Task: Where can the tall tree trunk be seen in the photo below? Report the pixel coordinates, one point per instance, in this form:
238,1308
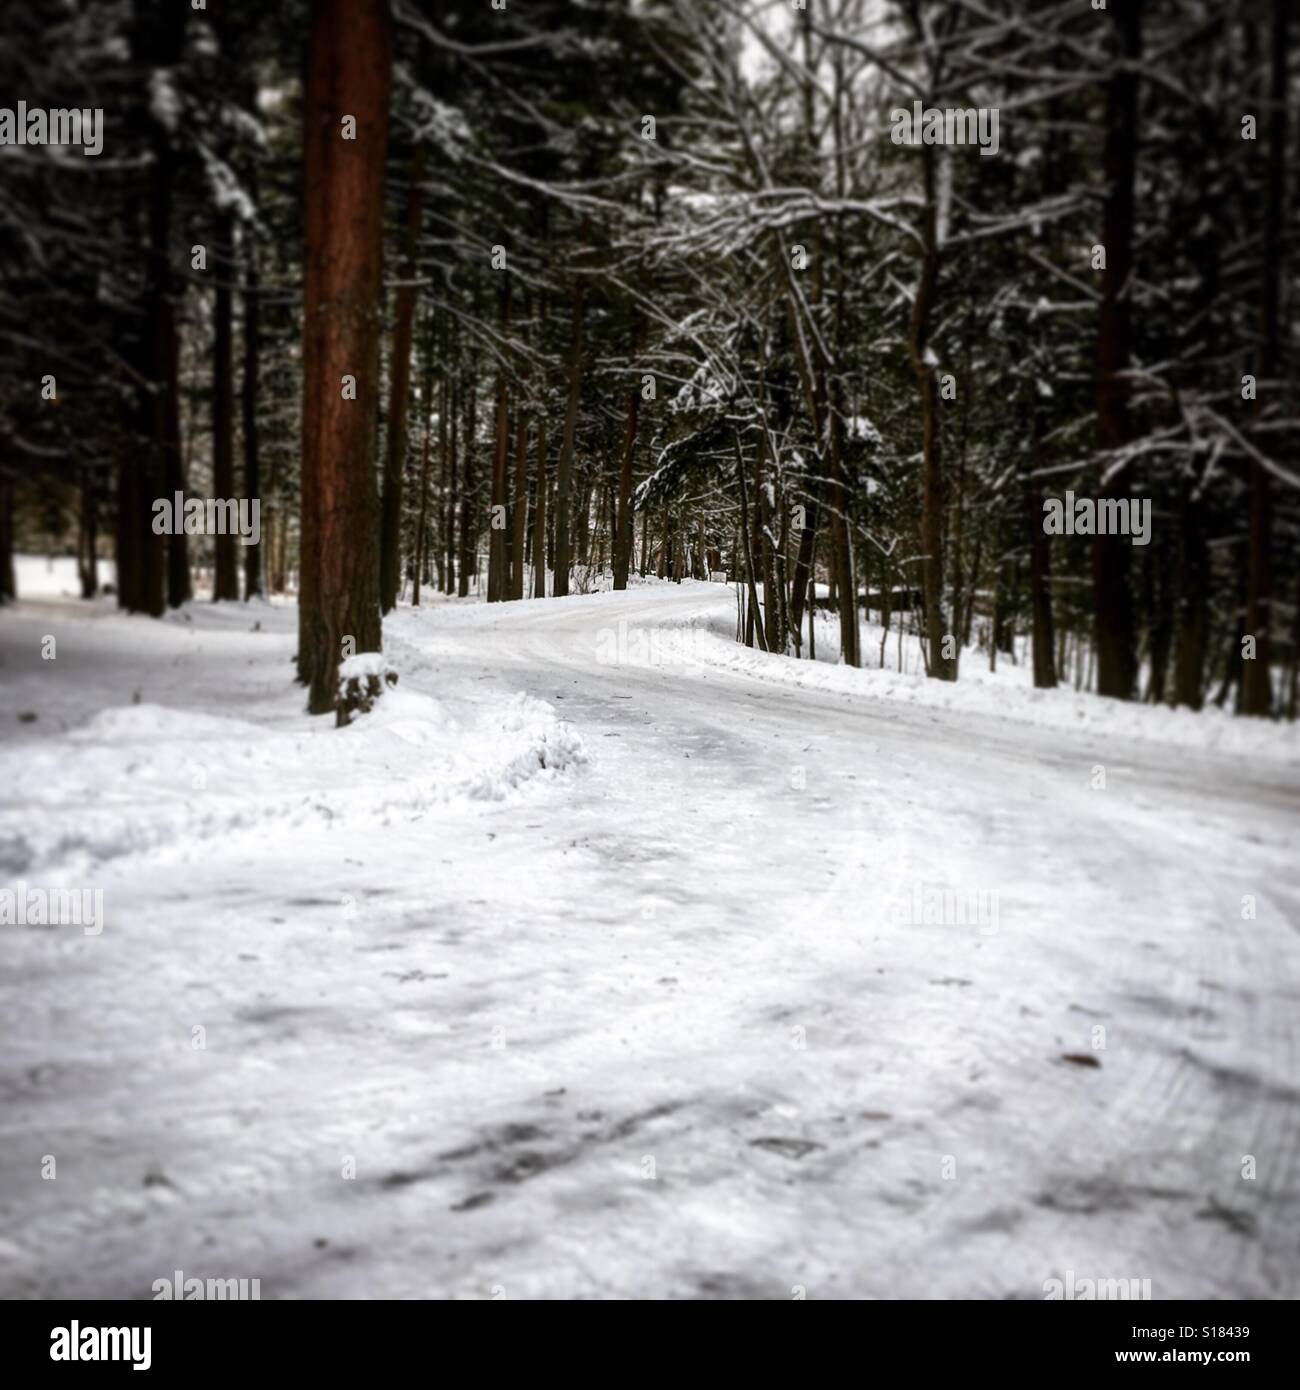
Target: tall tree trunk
939,666
500,482
1293,699
450,475
399,391
886,602
519,517
832,392
420,538
772,596
623,525
754,621
282,570
225,573
803,578
88,539
252,465
841,538
128,554
1159,603
179,587
959,622
1236,628
604,505
147,473
8,584
564,473
783,592
468,550
349,73
812,608
972,591
539,512
519,511
1256,676
1191,640
582,521
1040,563
804,583
1114,638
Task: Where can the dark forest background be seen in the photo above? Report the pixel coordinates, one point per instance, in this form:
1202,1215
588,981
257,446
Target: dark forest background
650,287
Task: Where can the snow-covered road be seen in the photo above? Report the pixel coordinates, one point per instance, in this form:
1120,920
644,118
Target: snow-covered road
709,983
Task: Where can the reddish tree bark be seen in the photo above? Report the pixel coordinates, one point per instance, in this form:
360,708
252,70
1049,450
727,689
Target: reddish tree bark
349,74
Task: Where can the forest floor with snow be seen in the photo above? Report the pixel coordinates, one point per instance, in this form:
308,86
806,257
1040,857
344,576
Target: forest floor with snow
608,958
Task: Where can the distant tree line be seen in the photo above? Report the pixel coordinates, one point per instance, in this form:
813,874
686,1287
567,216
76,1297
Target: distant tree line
496,301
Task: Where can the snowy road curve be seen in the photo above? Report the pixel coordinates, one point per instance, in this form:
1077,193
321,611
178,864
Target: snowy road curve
669,1018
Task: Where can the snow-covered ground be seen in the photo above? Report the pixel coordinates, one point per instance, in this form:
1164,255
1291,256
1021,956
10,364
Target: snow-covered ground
607,958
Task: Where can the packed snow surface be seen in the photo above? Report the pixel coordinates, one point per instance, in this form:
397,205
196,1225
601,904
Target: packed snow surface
606,958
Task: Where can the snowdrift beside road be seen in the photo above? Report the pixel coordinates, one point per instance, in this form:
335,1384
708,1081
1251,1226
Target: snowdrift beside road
144,777
1006,694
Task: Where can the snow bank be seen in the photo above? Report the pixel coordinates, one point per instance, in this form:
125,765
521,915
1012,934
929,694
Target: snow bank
1006,694
151,778
1210,729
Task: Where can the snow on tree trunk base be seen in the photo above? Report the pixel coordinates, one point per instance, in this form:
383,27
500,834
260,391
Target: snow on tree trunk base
362,679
